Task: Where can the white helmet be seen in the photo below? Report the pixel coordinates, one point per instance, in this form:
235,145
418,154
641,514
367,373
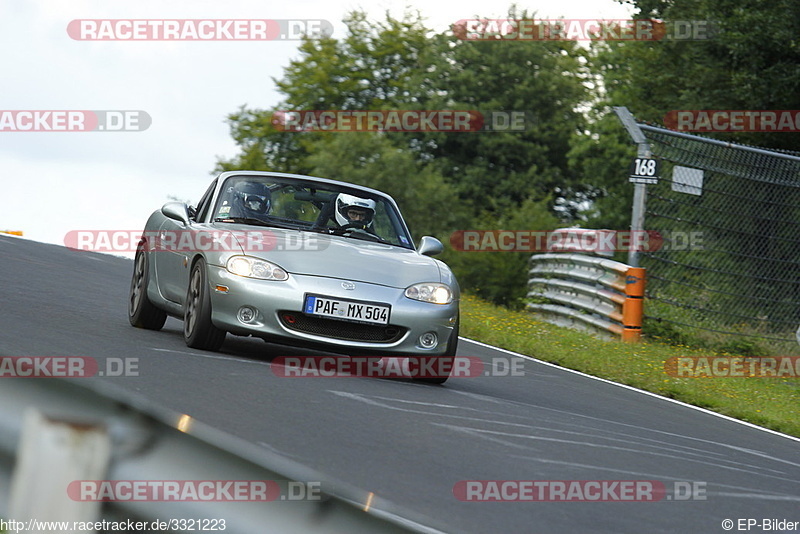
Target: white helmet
349,207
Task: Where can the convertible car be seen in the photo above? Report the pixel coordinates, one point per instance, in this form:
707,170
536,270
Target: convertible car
296,260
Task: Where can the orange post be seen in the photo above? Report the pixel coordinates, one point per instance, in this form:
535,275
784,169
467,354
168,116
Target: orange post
633,307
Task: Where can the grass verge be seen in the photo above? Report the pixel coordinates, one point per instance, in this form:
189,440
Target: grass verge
769,402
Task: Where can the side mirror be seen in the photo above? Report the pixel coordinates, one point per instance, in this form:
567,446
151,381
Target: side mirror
430,246
177,211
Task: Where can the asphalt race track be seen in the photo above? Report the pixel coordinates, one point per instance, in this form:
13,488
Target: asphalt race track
411,443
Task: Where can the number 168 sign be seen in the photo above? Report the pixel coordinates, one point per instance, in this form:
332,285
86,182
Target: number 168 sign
645,171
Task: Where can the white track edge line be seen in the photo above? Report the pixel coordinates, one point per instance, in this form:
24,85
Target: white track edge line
631,388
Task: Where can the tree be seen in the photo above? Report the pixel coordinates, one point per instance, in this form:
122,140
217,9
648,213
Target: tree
443,181
371,68
429,205
499,170
500,276
749,62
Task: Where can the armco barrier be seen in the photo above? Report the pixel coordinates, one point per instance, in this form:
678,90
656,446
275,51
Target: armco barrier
586,292
54,430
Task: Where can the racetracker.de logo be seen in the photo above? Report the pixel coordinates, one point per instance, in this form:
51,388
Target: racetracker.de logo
174,490
191,241
582,30
393,367
66,367
577,491
733,367
718,120
60,120
604,242
198,29
401,121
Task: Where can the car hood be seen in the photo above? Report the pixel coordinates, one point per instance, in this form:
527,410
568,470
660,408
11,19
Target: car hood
314,254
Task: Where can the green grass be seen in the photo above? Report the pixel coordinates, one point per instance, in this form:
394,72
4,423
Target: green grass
769,402
752,339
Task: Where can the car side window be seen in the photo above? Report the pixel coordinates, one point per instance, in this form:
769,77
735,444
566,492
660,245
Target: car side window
205,203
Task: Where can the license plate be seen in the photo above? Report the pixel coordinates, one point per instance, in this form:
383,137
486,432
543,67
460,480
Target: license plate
350,310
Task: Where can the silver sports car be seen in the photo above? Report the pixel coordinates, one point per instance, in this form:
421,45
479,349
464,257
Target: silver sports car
296,260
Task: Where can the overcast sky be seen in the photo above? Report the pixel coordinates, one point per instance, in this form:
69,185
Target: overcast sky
56,182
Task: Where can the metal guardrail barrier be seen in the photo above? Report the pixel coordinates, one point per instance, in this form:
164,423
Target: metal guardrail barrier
55,431
586,292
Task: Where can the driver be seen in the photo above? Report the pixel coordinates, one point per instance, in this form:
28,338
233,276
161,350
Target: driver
251,199
354,212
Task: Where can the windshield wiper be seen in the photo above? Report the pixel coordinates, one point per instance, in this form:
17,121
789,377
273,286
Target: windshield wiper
254,221
245,220
356,233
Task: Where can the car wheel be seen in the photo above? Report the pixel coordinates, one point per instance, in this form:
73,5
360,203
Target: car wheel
198,331
443,363
141,312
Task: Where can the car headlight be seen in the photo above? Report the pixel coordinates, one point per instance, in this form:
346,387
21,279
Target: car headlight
430,292
255,268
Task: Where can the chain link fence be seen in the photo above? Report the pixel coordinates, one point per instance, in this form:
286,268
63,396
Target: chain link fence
727,269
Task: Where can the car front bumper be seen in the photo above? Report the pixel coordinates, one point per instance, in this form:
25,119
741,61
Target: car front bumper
275,301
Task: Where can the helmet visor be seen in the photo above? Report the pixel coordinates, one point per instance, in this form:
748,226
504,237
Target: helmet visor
257,203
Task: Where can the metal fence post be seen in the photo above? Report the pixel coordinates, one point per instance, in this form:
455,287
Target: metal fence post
724,218
640,190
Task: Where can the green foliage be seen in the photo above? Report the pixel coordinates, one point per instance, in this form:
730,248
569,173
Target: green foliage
501,277
371,68
500,170
745,347
599,159
683,326
749,62
665,331
429,205
570,165
442,181
262,147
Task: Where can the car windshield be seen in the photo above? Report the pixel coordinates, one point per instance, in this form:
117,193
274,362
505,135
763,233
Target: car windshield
310,206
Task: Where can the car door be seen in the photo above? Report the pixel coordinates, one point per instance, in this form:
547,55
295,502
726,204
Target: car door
170,259
177,246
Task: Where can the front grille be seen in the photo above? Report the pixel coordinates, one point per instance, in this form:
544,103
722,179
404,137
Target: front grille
337,329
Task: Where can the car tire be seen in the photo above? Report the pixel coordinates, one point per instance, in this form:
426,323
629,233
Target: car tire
141,312
445,361
198,330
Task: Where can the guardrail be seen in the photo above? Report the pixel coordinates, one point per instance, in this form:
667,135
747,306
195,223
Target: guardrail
54,431
586,292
